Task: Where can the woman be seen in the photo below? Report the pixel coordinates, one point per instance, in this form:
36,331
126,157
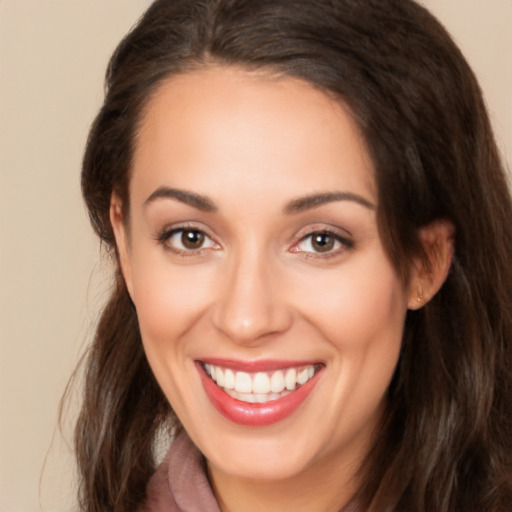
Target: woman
312,235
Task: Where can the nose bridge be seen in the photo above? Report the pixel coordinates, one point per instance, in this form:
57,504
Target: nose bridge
250,305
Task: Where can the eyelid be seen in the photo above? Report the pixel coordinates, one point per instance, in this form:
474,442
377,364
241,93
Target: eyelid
343,237
163,236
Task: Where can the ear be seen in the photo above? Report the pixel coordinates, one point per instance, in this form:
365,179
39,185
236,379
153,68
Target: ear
430,272
119,227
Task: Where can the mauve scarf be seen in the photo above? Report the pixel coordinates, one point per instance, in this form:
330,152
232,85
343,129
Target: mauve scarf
180,483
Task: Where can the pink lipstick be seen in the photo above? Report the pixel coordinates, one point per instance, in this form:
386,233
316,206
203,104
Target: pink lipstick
257,393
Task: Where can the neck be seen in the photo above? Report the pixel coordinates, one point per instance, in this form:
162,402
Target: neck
328,487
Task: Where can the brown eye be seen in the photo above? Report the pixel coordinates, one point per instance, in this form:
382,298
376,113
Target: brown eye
186,241
192,239
322,242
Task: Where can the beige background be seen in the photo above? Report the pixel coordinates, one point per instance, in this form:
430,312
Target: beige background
52,56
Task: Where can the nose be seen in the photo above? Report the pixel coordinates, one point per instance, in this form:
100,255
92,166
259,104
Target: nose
251,306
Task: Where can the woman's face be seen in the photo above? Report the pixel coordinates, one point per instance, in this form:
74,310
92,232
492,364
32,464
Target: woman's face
252,253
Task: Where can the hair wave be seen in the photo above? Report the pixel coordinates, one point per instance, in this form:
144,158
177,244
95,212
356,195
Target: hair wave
446,441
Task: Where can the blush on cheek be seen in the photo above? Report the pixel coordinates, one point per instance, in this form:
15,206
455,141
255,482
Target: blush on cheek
166,308
364,325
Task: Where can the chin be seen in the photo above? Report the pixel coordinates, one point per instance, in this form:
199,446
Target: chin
250,466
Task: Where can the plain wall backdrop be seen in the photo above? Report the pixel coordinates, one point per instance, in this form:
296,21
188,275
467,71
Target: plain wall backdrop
53,54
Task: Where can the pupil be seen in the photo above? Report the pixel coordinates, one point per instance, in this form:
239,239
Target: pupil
323,242
192,239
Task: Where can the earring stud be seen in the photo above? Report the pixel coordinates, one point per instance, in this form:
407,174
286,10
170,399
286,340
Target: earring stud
420,299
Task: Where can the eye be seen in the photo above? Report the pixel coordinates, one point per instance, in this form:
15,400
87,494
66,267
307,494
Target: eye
187,240
322,242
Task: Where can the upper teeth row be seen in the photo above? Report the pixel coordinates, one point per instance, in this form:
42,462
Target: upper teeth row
261,382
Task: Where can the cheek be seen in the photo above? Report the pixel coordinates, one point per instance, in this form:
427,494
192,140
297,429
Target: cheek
168,300
361,317
360,306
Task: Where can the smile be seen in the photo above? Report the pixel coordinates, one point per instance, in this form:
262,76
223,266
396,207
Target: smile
260,387
259,394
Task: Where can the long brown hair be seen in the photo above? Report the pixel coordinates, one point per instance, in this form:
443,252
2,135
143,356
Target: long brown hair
446,441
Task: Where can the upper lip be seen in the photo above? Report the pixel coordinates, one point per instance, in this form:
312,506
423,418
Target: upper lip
263,365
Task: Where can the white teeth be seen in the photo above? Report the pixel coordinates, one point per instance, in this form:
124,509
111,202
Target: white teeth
261,386
261,383
258,398
243,382
247,397
229,379
302,376
277,382
219,376
291,378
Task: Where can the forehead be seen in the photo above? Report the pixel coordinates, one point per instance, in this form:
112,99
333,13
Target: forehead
208,127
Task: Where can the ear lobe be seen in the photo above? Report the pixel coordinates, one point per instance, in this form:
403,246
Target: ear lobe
122,240
430,272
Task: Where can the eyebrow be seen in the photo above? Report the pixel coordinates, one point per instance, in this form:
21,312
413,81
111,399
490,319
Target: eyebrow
192,199
295,206
315,200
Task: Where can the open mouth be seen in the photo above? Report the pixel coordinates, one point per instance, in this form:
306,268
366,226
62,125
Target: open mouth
259,394
260,387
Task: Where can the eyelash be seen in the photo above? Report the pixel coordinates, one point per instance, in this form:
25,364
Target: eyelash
343,242
165,239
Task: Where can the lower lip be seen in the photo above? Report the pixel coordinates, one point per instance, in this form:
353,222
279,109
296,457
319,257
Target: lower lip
259,414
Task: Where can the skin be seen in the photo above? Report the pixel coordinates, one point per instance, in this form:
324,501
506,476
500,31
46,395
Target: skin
258,288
